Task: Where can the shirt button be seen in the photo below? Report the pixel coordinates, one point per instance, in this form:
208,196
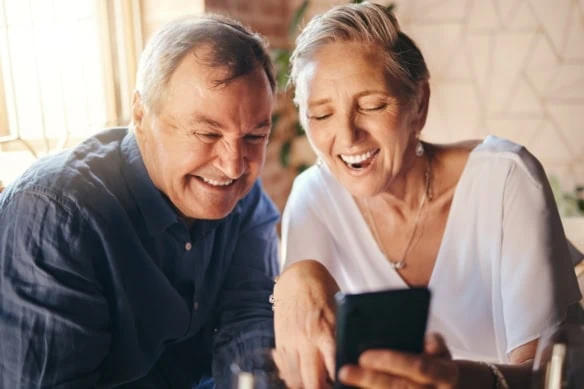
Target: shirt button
196,306
188,246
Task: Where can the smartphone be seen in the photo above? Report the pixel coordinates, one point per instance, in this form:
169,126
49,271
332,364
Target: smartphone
393,319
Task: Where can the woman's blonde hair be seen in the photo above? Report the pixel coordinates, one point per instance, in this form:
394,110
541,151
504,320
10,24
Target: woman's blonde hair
371,24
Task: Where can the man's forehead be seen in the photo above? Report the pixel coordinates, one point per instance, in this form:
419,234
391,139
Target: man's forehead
196,66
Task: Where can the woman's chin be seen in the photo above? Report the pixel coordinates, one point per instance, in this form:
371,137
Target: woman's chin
361,189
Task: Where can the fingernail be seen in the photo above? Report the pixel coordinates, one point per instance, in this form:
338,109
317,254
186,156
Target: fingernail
366,357
344,372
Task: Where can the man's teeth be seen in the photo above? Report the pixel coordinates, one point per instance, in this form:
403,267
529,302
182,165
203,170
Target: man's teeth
352,159
216,183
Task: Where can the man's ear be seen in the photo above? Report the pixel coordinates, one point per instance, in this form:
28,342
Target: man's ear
421,107
137,111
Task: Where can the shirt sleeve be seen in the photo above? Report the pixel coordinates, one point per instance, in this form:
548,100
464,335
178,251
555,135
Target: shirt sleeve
53,316
304,233
245,313
538,282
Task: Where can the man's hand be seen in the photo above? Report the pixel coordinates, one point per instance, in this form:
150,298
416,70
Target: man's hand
380,369
304,322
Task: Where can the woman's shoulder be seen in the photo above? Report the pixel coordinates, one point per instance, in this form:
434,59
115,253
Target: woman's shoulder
512,155
316,191
495,153
316,182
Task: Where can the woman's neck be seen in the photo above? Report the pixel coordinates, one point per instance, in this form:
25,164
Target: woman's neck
410,186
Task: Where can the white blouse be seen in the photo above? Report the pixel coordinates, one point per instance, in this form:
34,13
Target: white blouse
502,275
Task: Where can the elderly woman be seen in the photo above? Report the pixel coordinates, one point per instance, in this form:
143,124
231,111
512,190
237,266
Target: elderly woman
473,221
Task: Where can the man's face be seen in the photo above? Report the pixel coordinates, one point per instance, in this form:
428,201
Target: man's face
205,145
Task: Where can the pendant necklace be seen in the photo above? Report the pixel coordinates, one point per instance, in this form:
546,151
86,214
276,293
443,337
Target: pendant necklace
397,265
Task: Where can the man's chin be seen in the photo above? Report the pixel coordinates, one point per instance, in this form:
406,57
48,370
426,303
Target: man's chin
212,212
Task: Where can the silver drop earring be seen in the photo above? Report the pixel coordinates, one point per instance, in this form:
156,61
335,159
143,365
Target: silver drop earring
419,149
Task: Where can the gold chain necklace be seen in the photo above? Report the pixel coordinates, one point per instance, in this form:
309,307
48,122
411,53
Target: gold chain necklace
397,265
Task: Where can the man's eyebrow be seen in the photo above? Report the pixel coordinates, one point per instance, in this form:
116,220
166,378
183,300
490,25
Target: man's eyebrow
264,123
202,119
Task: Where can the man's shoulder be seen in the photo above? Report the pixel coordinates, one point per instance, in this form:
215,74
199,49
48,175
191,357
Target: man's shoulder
77,175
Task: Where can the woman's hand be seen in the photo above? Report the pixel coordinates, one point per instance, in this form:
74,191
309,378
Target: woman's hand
304,323
379,369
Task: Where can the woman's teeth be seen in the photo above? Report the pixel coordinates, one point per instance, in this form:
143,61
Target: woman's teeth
357,161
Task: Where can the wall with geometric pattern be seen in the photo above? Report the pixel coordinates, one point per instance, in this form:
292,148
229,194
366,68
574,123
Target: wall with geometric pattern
513,68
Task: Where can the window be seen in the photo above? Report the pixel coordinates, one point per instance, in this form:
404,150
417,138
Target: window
66,71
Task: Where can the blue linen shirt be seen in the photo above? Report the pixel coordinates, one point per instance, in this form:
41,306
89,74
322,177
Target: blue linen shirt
103,284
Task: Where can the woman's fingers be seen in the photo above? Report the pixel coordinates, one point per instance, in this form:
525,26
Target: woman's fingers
288,368
422,369
435,345
327,349
312,370
374,379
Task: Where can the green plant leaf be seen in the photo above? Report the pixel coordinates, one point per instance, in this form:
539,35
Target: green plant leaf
299,129
297,18
285,153
275,119
281,60
302,168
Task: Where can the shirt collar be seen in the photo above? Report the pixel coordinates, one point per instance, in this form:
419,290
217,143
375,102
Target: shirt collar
154,206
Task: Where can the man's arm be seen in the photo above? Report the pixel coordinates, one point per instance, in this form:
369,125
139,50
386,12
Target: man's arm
53,317
246,317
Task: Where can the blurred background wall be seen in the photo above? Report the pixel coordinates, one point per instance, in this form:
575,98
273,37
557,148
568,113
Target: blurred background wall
512,68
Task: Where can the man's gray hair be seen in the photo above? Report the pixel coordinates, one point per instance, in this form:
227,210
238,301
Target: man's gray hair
371,24
233,48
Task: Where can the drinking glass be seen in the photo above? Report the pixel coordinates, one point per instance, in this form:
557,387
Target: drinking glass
559,359
256,370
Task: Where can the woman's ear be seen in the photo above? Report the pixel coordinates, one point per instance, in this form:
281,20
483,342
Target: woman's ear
421,107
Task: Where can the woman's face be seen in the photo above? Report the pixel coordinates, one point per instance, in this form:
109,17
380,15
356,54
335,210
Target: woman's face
354,120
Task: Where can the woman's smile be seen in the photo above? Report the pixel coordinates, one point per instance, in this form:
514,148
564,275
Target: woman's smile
359,162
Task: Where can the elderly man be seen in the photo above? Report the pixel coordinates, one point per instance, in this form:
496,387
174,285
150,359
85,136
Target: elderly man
145,257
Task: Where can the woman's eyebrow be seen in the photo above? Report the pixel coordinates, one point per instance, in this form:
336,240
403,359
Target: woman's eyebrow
319,102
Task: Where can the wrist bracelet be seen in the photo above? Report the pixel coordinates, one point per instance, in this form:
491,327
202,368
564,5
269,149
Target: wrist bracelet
272,298
500,380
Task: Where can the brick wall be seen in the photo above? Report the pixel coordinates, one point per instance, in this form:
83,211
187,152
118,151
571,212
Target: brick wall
268,17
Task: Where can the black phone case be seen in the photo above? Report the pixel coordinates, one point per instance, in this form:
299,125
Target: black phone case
393,319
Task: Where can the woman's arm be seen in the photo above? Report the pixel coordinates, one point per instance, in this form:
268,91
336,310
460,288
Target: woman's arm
380,369
517,374
304,321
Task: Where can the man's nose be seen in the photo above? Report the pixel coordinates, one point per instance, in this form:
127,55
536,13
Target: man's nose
233,160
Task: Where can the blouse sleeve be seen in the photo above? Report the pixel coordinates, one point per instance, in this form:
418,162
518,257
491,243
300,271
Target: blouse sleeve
538,282
304,232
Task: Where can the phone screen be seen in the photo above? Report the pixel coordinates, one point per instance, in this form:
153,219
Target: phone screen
393,319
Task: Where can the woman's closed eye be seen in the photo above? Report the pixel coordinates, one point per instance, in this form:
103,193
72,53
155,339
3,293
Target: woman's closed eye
372,108
320,116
